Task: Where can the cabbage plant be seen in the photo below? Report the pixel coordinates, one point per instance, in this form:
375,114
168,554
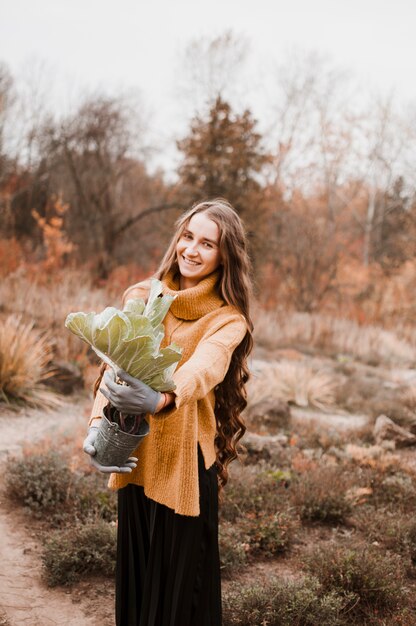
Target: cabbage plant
131,338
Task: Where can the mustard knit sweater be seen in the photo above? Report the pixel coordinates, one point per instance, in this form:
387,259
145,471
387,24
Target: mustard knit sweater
208,330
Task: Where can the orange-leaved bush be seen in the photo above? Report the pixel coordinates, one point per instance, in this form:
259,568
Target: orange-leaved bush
57,245
11,256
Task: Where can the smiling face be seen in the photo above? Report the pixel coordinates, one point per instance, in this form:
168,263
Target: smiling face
197,250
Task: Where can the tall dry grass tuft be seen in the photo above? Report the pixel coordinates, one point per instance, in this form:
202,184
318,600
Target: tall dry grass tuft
24,358
293,382
367,343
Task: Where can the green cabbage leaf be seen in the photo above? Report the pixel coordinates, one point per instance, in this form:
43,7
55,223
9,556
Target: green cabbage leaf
131,338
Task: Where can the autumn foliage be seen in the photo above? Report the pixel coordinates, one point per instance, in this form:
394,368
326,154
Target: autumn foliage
55,240
331,219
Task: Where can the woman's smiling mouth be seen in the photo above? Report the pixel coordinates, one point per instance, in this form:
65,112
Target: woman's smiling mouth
189,262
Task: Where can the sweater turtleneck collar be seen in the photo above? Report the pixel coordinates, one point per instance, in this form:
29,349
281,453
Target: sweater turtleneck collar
194,302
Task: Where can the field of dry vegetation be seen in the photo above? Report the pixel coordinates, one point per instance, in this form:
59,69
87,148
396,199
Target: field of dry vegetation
317,524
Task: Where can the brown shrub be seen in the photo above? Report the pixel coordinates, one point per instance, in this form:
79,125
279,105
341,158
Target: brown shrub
320,495
375,579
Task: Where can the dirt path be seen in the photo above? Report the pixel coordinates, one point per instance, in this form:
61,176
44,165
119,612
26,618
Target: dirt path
30,425
23,596
24,599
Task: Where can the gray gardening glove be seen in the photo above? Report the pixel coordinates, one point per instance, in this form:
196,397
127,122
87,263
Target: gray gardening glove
133,398
88,447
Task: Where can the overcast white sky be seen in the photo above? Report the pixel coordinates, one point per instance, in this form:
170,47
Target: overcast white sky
135,44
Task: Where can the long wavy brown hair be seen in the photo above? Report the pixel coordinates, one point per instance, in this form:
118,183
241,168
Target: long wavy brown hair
235,288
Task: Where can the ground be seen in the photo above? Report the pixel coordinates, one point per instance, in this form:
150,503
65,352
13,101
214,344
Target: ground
363,391
24,597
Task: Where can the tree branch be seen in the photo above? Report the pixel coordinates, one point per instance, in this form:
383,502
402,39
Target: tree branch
135,218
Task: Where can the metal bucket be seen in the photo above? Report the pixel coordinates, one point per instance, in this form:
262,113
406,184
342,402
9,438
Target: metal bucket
113,445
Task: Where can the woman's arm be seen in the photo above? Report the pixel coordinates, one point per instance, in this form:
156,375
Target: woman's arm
208,365
206,368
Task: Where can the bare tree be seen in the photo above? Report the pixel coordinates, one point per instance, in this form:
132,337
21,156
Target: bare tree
6,100
387,142
211,68
306,258
314,127
24,179
7,161
89,156
335,145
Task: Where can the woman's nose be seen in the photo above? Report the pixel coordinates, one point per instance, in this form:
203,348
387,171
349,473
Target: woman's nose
192,249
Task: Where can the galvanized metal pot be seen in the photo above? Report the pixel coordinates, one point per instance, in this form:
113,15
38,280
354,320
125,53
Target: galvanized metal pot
113,445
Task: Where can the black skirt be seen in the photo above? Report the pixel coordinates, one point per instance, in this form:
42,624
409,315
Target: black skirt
168,568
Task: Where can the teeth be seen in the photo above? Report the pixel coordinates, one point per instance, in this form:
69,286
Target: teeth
189,261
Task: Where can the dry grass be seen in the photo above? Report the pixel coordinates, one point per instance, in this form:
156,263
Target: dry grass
286,603
408,397
293,382
79,551
407,332
48,300
374,579
388,528
24,358
320,495
371,344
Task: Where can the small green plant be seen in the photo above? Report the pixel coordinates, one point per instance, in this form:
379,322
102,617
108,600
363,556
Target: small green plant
373,578
265,534
253,491
410,541
78,552
131,338
269,533
381,526
234,548
41,482
255,503
280,603
395,490
45,484
93,500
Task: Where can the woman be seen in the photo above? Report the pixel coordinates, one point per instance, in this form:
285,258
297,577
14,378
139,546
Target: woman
168,571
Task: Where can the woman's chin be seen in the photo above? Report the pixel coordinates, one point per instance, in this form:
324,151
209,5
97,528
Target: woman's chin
191,272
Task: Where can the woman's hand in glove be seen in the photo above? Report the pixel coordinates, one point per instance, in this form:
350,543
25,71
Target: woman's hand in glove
133,398
88,447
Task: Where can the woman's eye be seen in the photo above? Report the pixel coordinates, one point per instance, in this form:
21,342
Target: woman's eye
208,245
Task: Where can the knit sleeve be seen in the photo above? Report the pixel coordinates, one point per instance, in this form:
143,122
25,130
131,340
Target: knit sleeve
208,365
